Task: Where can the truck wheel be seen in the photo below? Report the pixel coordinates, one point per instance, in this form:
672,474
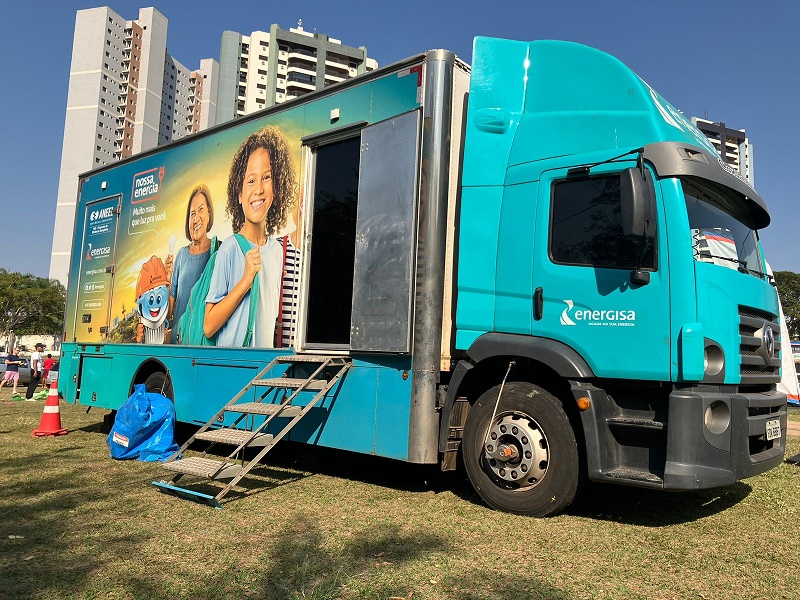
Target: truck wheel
528,461
161,384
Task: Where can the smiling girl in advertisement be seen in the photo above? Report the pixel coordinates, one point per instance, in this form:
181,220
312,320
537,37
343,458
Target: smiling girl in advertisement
262,189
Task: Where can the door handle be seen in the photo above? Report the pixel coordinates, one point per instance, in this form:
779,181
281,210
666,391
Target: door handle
538,304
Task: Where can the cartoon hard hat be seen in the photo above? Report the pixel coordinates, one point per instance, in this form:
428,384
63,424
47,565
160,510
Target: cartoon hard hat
152,275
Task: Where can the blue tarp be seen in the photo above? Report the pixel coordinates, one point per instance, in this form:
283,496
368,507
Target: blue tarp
144,428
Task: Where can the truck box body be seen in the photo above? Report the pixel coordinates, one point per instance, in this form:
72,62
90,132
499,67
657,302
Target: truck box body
449,230
129,211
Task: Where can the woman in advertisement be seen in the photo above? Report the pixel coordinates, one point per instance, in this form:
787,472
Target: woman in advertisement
262,189
191,259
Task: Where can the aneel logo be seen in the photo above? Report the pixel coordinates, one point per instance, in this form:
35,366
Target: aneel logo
102,252
604,318
104,213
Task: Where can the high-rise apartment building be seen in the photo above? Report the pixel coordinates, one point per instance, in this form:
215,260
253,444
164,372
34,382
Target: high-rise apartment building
731,144
126,94
267,68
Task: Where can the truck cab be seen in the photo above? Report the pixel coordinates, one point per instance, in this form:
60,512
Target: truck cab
609,262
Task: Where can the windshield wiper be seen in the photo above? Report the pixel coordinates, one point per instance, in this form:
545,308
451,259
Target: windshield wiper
745,269
741,263
742,268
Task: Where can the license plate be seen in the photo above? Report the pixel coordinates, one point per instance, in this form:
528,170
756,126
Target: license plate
773,429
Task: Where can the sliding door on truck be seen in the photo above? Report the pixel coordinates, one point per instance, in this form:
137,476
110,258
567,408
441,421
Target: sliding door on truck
95,283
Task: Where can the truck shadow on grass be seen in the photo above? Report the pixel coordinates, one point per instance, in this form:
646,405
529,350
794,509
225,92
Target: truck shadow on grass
623,504
293,461
654,508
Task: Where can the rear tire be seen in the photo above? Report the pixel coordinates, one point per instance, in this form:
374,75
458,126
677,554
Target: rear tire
160,383
528,463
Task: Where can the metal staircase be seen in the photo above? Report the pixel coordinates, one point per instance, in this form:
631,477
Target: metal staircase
243,433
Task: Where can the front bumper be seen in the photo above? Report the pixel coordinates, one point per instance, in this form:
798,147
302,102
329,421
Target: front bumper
699,458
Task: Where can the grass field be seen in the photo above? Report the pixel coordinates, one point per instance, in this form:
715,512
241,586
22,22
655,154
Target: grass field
321,524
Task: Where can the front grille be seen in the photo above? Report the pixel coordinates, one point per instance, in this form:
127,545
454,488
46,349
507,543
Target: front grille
756,364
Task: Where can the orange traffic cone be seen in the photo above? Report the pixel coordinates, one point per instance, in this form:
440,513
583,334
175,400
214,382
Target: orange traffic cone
51,417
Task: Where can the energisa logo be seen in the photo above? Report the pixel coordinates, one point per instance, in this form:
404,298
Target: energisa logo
673,117
103,252
601,318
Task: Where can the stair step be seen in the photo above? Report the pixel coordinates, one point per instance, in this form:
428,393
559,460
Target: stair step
311,358
262,408
290,383
223,469
204,467
235,437
636,423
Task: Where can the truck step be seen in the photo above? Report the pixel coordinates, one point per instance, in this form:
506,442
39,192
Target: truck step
204,467
290,383
261,408
187,494
311,358
212,431
235,437
636,423
636,475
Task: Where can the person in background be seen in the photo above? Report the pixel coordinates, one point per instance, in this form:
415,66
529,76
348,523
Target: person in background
48,364
12,370
37,367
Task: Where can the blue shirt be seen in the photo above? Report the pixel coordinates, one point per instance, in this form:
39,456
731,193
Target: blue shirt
186,270
14,360
228,270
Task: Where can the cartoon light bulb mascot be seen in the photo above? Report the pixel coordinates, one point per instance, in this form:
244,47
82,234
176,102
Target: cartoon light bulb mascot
152,302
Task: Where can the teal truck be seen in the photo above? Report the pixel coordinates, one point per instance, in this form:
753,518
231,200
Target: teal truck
535,267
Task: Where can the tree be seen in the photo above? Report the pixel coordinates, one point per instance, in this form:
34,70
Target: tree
30,304
789,293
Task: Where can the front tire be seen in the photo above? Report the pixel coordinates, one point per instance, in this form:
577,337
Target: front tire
526,460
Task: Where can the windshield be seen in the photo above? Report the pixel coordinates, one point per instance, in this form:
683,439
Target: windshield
721,228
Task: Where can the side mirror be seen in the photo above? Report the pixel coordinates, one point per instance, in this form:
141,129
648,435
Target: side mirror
638,204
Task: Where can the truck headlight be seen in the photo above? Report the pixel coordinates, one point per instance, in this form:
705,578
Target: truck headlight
713,359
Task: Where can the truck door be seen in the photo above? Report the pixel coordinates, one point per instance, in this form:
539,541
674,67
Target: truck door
582,277
95,283
331,242
361,243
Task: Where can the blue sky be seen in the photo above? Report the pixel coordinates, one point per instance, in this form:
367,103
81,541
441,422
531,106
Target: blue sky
732,61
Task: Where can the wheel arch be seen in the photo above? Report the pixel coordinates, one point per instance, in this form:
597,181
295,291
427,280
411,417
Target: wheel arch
146,369
542,361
